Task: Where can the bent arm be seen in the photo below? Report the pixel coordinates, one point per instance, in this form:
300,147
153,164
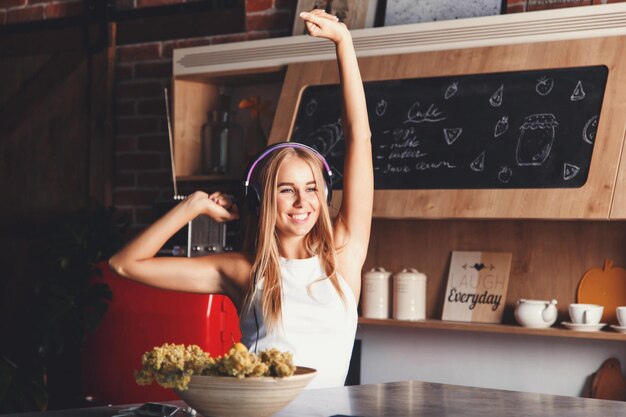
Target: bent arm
209,274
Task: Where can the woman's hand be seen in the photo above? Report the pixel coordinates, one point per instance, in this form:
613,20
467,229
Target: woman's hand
225,208
217,206
323,25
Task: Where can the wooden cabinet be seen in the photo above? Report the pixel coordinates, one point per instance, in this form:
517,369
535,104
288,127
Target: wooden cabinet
618,206
196,96
591,201
585,36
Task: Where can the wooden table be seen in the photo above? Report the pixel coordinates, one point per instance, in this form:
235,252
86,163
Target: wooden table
413,398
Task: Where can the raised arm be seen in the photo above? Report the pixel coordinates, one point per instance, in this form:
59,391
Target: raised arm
208,274
352,229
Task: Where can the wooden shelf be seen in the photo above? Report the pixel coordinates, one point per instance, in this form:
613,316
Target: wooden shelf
194,100
606,334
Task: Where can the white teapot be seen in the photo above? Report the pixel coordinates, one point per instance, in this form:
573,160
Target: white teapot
536,313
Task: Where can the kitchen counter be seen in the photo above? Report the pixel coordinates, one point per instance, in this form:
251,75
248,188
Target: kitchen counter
413,398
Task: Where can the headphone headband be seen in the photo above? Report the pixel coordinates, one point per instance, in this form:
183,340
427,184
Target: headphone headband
254,196
281,145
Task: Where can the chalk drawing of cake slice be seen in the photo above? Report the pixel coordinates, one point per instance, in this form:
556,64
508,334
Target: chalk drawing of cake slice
578,93
451,134
478,164
569,171
496,98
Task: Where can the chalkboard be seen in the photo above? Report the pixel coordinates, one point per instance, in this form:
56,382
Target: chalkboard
524,129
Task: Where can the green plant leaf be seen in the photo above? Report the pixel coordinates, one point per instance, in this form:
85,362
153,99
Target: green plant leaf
23,387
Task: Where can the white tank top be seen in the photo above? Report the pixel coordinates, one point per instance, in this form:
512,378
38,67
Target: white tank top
317,327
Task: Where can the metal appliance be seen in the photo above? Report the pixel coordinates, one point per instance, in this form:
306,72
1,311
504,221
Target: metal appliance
202,235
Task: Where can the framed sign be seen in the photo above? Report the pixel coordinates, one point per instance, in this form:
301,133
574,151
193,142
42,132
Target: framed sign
356,14
402,12
477,286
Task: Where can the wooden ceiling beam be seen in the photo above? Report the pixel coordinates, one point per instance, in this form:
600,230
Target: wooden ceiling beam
88,31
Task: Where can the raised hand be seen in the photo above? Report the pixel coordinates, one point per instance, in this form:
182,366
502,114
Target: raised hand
217,206
323,25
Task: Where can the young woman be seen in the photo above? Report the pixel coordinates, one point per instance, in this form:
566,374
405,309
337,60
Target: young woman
297,284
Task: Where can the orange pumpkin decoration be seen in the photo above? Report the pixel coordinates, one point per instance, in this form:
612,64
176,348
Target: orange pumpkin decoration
607,287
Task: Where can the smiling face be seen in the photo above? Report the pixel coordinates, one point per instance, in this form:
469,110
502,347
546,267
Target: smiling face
297,200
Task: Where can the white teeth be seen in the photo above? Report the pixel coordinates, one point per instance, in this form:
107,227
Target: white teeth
300,216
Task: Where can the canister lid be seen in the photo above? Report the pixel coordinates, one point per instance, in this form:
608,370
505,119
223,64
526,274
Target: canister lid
411,274
377,273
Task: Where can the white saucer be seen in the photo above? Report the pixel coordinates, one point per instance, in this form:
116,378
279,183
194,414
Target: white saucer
583,327
621,329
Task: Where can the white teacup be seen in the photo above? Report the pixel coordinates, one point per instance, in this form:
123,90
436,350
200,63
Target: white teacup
621,315
586,313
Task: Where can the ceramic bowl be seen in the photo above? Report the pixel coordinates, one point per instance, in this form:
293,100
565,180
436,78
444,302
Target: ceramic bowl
224,396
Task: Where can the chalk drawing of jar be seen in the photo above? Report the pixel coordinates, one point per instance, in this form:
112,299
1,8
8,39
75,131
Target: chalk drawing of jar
536,138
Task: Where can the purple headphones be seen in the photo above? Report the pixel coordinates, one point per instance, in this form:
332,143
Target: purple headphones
253,191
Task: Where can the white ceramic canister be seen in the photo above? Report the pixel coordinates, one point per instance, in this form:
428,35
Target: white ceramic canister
409,295
375,291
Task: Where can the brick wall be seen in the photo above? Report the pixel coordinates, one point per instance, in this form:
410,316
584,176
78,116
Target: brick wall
142,164
18,11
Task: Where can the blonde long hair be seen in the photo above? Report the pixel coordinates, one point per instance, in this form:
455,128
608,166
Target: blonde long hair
319,241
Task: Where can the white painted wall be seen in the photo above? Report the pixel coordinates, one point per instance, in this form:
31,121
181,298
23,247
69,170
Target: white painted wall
549,365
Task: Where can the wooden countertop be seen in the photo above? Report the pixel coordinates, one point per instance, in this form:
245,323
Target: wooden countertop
413,398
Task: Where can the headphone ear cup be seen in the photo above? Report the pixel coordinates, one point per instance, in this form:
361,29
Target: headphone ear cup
328,192
328,188
254,199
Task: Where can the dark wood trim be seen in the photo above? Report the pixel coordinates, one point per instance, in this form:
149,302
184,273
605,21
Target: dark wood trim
101,149
187,20
88,30
41,41
168,10
45,79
